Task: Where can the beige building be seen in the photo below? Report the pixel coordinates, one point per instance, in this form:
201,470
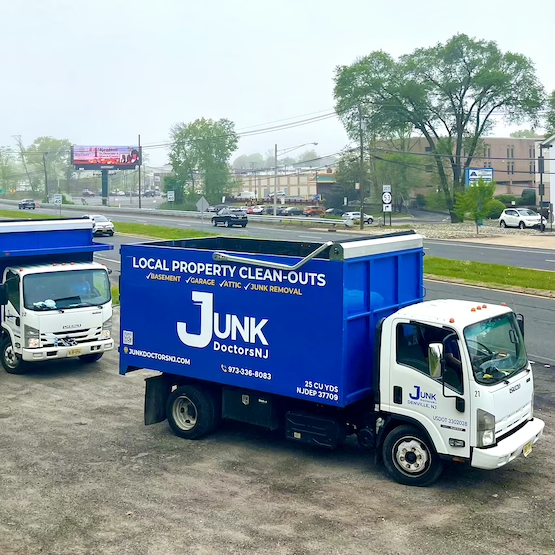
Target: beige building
294,183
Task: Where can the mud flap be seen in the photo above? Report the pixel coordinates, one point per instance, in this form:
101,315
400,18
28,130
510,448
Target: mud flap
157,391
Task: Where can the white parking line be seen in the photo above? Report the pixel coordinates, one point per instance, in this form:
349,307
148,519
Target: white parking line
550,260
480,246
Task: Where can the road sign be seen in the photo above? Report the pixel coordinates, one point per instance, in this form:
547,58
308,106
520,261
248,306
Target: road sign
1,191
58,200
386,188
474,174
13,191
171,196
386,198
202,205
387,207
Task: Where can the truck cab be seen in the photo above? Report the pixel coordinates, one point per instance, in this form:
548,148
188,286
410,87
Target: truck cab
55,301
458,372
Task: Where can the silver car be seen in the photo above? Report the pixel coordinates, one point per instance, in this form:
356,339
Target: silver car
101,224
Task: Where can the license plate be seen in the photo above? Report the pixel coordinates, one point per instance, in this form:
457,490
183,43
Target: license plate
74,352
527,449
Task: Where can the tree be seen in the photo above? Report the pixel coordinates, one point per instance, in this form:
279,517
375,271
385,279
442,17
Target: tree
310,156
525,134
448,93
8,170
550,118
56,153
476,202
203,147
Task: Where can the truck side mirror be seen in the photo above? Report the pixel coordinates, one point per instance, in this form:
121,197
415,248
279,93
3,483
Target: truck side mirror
3,295
520,320
435,357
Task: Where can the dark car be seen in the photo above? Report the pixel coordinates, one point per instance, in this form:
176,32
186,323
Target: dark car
150,193
27,203
229,218
334,212
216,208
292,211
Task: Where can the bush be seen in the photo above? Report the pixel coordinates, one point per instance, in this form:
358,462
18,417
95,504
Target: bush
436,202
495,208
507,200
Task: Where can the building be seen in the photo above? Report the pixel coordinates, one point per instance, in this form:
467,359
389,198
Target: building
299,183
549,167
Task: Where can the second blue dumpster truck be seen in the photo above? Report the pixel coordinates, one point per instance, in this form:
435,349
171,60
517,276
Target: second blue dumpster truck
324,340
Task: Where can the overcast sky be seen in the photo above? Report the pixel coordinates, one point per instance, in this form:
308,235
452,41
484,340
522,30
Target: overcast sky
102,71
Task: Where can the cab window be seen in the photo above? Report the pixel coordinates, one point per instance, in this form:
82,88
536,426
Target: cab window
12,286
412,350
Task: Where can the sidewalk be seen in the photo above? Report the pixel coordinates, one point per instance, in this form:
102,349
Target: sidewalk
527,241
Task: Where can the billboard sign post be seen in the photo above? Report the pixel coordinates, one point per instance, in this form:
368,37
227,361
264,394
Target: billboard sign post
387,199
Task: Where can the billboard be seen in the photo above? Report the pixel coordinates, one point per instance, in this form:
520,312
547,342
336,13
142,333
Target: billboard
106,157
472,175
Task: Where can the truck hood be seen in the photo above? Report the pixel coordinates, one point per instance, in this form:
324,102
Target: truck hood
513,402
71,326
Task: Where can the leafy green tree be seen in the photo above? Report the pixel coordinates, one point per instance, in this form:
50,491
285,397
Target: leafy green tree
200,152
56,153
477,202
448,93
525,134
309,157
8,170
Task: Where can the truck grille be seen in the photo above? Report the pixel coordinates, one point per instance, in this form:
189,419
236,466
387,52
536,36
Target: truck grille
504,426
74,337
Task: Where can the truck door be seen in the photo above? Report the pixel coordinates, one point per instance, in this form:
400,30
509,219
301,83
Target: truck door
415,394
12,310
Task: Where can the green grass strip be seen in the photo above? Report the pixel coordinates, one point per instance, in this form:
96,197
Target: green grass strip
489,274
158,231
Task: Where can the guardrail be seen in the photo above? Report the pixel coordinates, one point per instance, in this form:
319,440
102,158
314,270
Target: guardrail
84,208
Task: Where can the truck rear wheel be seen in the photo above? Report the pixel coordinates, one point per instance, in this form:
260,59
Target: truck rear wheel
11,361
192,412
409,458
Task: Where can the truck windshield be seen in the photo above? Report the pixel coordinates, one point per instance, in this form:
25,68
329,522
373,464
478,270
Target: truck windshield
67,289
496,349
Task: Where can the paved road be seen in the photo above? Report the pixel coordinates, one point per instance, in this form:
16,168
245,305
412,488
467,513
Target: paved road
539,259
538,312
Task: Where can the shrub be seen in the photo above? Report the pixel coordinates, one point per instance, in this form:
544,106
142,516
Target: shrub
495,208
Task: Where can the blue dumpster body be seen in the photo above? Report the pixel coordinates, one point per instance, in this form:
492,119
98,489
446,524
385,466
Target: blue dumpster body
232,311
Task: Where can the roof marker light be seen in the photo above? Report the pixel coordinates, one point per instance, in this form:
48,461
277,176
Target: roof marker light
484,306
451,320
479,307
472,309
503,304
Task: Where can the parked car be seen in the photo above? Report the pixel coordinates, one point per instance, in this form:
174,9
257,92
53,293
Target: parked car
102,225
521,217
87,193
27,203
314,211
229,217
269,209
255,210
216,208
293,211
334,212
356,216
278,194
149,193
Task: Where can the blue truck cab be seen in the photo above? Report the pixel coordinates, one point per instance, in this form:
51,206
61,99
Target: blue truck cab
55,301
325,340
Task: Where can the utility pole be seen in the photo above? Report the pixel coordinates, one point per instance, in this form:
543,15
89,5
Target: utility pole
45,176
275,180
541,169
253,164
140,162
361,185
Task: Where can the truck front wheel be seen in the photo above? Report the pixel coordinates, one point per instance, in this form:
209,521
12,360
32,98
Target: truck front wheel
192,412
11,361
409,458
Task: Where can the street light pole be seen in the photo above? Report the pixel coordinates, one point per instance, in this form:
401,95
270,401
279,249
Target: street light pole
275,180
541,169
361,185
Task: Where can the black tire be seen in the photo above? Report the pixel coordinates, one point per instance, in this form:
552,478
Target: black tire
89,359
502,223
11,361
424,465
111,234
214,222
243,225
227,224
521,225
370,221
192,412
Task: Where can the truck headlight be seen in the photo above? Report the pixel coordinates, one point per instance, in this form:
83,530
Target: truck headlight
31,336
107,328
486,429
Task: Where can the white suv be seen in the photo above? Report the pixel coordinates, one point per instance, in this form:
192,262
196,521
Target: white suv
520,217
356,216
101,224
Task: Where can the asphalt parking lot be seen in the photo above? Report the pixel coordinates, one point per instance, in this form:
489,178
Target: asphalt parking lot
80,474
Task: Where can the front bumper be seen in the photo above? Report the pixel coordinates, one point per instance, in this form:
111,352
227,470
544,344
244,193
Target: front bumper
509,448
48,353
